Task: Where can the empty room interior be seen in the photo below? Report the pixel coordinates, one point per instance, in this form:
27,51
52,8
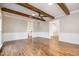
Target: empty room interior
39,29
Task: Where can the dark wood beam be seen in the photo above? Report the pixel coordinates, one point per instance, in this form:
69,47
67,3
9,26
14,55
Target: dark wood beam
20,13
29,6
64,8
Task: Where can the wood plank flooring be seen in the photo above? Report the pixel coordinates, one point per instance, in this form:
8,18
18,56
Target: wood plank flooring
37,47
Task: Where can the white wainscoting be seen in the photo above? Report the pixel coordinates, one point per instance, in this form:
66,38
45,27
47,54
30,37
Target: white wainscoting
41,34
70,37
66,37
14,36
23,35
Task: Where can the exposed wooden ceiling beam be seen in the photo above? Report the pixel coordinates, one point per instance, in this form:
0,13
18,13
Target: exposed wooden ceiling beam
64,8
20,13
29,6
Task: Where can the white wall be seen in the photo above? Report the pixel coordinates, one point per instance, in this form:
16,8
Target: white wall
15,27
69,28
0,28
41,26
41,29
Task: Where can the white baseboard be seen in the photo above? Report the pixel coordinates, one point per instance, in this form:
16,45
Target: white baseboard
70,37
23,35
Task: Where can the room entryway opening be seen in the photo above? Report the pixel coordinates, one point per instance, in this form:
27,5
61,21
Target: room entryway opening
54,32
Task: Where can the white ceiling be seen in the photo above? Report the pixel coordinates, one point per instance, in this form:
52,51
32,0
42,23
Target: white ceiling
72,6
53,10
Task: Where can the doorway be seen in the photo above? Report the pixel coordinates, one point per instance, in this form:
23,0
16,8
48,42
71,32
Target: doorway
54,32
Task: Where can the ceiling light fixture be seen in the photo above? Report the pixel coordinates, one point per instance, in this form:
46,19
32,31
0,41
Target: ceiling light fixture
33,14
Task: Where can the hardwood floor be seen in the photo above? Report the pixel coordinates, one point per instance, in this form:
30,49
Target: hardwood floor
22,48
69,49
37,47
